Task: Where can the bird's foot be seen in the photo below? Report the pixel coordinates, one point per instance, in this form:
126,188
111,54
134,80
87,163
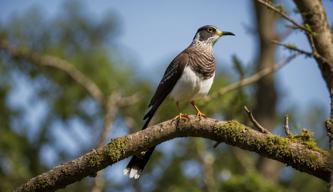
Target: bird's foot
200,114
181,116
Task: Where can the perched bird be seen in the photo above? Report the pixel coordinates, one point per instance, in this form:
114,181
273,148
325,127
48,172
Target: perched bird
188,78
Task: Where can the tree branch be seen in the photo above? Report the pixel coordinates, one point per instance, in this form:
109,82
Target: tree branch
110,112
321,38
314,16
255,122
286,126
292,152
110,104
283,14
57,63
251,79
292,47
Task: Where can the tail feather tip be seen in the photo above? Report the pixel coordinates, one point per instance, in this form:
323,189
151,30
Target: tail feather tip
132,173
126,171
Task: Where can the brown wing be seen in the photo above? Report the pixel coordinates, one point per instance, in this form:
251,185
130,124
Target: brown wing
169,80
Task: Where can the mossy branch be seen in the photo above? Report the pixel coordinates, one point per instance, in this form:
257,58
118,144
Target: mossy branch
292,152
315,18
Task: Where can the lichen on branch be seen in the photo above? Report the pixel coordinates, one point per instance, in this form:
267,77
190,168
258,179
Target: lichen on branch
290,151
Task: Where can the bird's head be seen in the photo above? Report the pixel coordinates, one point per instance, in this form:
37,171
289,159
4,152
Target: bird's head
209,34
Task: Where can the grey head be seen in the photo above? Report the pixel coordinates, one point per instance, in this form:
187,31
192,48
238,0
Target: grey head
209,35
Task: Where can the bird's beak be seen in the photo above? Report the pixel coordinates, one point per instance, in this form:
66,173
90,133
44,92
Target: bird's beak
222,33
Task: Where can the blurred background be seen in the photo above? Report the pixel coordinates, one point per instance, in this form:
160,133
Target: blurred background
47,118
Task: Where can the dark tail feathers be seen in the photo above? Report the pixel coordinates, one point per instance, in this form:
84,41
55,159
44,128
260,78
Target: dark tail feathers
138,162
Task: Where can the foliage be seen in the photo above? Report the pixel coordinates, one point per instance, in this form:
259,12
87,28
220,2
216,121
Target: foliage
46,118
251,181
82,41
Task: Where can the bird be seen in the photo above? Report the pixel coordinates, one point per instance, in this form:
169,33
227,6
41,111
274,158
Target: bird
188,78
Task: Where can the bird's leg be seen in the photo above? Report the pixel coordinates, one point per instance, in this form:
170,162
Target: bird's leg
199,113
180,115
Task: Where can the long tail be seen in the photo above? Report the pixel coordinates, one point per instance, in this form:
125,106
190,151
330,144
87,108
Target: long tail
138,162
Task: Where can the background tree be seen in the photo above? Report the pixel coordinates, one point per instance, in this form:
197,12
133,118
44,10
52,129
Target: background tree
79,85
266,96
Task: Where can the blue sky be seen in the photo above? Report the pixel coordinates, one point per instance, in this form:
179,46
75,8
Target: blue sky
153,32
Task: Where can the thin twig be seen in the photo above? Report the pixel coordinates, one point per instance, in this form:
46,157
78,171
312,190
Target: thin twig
110,113
293,48
286,125
307,30
312,44
129,100
252,79
284,15
255,122
98,182
313,54
130,123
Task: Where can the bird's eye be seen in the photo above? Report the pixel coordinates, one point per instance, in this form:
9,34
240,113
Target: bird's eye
210,30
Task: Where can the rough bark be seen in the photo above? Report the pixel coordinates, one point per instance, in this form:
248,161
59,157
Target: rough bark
320,38
314,17
299,154
266,96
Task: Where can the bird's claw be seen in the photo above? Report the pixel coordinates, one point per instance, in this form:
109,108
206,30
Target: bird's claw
181,116
200,114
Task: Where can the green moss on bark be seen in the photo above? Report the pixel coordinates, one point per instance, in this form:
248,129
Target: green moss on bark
94,160
306,138
273,145
230,127
116,149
